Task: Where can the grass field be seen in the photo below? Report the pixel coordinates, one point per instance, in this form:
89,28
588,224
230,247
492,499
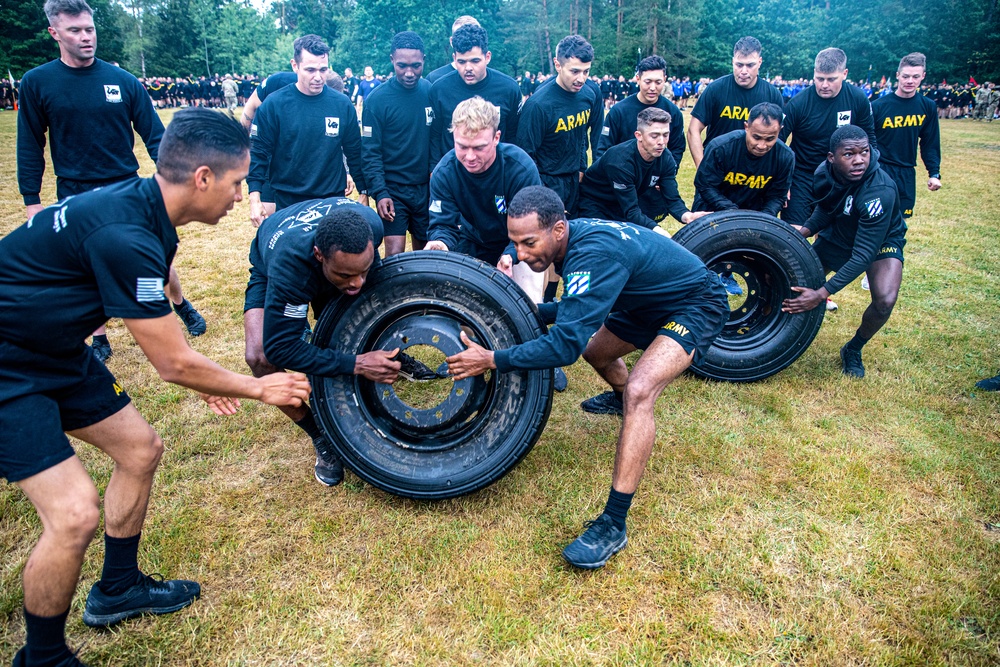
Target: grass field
807,519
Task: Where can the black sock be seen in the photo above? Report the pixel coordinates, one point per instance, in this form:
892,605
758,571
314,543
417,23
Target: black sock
309,425
121,565
46,637
101,338
617,507
183,305
550,292
857,342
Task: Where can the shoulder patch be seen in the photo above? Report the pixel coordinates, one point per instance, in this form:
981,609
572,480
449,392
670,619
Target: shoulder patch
299,312
606,131
874,207
435,206
149,289
619,186
366,131
577,282
848,203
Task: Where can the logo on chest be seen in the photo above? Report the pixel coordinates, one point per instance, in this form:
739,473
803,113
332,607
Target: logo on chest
429,114
848,203
332,126
843,118
653,180
501,204
113,93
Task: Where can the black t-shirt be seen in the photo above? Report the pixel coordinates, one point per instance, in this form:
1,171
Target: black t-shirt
859,215
299,144
475,205
274,83
623,119
395,136
554,126
608,266
103,254
89,113
283,251
724,106
448,91
730,178
614,184
900,123
812,120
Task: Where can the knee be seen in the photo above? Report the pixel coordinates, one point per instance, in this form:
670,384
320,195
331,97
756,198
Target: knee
145,456
75,524
258,363
639,396
884,304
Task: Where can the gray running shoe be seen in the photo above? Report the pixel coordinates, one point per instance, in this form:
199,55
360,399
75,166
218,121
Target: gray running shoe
599,542
329,470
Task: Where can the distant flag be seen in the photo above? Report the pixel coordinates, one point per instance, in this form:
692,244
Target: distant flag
944,82
973,81
882,82
10,77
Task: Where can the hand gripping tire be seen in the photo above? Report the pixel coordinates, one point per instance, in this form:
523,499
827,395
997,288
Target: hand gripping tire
484,426
770,257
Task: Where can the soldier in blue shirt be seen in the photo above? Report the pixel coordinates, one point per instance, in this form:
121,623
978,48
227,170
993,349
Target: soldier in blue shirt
626,288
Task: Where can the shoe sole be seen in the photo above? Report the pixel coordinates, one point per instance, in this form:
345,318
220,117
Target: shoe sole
324,482
601,411
844,370
597,565
107,620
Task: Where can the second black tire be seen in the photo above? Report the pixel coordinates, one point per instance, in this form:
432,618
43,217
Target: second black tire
770,257
482,428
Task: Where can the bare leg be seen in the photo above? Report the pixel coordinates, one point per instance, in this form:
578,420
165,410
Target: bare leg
253,329
394,245
174,291
68,506
884,279
604,352
662,362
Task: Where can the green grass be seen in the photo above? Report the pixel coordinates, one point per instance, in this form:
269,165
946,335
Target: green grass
807,519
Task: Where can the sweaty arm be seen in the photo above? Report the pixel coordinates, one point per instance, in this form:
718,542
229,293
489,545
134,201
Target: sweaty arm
164,345
250,110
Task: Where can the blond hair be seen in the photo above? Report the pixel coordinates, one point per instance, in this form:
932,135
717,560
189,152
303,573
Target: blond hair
475,115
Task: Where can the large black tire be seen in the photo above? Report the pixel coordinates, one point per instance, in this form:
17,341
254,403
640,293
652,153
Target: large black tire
484,426
770,258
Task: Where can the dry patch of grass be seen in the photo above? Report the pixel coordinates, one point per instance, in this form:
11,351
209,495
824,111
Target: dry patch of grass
807,519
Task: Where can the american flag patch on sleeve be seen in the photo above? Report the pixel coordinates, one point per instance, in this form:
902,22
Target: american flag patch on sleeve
299,312
149,289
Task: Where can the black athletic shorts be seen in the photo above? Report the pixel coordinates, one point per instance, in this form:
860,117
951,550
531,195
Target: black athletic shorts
257,285
567,186
66,187
41,397
694,322
802,203
835,256
906,184
469,246
412,213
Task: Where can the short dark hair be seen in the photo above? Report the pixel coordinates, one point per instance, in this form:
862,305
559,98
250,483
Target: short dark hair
650,64
314,44
343,229
54,8
574,46
830,60
540,200
846,133
652,115
200,137
406,40
747,45
768,111
915,59
469,37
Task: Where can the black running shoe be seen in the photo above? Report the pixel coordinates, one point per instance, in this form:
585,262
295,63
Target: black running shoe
989,384
151,595
559,381
192,319
604,404
851,362
69,660
416,371
102,350
599,542
329,470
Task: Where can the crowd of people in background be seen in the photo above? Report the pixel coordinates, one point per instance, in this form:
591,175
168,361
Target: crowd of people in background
166,92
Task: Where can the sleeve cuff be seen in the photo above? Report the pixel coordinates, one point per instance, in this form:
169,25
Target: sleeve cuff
501,358
31,200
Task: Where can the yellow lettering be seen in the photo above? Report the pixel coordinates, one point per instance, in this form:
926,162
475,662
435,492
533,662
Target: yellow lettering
726,113
899,121
729,178
676,328
741,113
887,123
763,180
118,389
921,119
571,122
561,126
741,179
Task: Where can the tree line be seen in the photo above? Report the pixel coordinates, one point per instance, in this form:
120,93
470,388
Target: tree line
961,38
